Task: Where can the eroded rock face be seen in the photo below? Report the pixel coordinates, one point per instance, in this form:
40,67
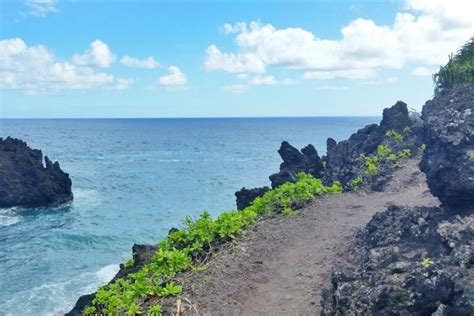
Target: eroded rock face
295,161
25,181
244,197
343,162
448,160
407,261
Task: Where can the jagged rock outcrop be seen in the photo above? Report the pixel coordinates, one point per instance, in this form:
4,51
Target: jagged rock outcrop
244,197
343,159
142,254
295,162
407,261
448,160
25,181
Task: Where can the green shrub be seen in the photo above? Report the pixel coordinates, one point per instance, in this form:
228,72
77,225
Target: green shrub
458,70
394,135
356,183
405,153
192,245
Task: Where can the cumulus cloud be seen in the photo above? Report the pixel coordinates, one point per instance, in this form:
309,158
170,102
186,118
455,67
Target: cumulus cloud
175,77
233,63
422,35
35,69
147,63
41,8
98,54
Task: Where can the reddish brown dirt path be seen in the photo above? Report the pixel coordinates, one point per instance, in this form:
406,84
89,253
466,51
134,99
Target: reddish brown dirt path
279,266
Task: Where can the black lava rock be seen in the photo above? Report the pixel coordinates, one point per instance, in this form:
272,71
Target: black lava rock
448,159
406,261
295,161
25,181
245,197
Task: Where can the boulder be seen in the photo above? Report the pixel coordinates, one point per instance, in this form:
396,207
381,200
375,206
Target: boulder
244,197
448,159
295,161
25,181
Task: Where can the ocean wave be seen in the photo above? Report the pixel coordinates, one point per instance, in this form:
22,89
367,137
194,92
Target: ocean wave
9,217
83,197
53,299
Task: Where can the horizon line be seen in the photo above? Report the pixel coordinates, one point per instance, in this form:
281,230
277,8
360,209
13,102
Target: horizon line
183,117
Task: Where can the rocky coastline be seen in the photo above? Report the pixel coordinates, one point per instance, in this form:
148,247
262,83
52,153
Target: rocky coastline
405,260
26,182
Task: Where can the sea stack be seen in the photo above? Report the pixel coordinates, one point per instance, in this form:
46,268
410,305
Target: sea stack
25,181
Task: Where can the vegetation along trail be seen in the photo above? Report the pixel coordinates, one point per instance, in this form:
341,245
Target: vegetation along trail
280,265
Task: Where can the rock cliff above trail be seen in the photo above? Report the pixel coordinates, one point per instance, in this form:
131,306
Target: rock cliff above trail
399,130
25,181
343,159
448,160
419,261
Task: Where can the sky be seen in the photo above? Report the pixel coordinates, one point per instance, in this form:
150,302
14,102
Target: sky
144,58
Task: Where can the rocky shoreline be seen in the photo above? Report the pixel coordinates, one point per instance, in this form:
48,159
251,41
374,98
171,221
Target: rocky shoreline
26,182
405,260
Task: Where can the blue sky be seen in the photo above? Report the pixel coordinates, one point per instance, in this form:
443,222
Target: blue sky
222,58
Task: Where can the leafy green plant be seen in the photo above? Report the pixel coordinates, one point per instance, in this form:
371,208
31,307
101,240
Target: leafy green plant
356,183
405,153
426,263
155,310
407,130
129,263
394,135
188,248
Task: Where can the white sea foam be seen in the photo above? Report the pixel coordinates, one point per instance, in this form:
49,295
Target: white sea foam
83,197
8,217
107,273
53,299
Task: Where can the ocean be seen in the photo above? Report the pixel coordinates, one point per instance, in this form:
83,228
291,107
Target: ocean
133,179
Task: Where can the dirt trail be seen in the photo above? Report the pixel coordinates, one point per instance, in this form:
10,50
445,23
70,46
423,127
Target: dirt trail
280,266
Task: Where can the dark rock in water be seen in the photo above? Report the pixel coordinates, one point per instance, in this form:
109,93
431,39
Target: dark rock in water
407,261
295,162
142,254
245,197
25,181
343,162
448,159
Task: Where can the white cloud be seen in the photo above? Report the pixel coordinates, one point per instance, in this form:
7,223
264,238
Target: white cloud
36,70
263,81
41,8
331,88
233,63
98,54
123,83
423,71
175,77
147,63
422,35
333,74
236,88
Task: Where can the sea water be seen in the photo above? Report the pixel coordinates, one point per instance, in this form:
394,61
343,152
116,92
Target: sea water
133,179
